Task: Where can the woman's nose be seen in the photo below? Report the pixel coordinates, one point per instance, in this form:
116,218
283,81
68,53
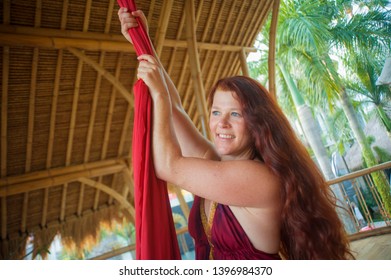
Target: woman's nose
224,121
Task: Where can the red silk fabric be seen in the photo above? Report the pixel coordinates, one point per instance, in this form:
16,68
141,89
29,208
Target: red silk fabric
155,231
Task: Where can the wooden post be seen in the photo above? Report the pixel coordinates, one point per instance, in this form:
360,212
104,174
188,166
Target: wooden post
272,49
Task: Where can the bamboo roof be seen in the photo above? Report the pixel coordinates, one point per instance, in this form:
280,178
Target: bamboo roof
67,102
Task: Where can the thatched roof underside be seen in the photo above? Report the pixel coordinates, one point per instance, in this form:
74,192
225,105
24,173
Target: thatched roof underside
67,105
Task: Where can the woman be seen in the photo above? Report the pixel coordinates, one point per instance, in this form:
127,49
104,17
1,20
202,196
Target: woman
258,194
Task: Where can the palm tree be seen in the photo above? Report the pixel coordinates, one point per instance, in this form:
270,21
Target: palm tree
309,33
367,71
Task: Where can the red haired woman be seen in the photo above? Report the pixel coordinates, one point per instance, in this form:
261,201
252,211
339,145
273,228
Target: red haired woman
258,194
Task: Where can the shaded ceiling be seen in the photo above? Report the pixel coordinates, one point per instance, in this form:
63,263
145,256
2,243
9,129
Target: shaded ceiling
67,104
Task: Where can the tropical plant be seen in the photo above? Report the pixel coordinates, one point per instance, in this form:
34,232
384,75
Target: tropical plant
310,34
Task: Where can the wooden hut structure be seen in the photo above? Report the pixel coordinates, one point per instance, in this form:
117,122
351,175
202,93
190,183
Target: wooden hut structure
66,103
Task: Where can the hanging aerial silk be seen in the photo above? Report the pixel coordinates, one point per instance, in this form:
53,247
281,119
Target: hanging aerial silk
155,231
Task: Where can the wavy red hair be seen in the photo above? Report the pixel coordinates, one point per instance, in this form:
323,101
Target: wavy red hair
310,226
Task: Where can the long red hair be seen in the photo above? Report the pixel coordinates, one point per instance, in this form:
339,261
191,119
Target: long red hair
310,226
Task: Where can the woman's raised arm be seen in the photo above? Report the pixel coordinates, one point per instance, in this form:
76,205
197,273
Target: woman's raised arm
191,141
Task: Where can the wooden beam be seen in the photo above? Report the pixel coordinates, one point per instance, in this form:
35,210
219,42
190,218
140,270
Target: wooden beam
162,27
63,43
87,14
243,63
3,218
31,114
4,128
91,41
4,112
49,173
109,118
57,180
195,65
114,81
360,173
63,202
110,192
53,111
24,212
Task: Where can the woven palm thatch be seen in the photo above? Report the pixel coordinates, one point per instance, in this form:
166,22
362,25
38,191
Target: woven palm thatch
67,104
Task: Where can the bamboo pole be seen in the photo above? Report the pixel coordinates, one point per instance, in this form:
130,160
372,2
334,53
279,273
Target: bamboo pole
53,111
91,41
109,117
195,65
72,122
128,178
204,36
243,63
39,184
60,171
4,118
272,49
150,12
162,26
63,201
3,218
87,14
30,126
110,192
359,173
126,132
81,200
115,82
8,39
45,207
182,202
24,213
4,112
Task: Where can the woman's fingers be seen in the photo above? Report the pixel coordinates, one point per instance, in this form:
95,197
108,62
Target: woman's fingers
147,57
150,72
127,21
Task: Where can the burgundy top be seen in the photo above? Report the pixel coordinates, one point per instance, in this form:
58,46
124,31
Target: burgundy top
229,240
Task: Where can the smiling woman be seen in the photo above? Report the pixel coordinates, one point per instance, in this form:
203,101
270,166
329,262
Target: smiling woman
258,193
228,127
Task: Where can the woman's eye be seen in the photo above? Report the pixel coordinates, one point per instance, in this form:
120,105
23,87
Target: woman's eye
236,114
215,113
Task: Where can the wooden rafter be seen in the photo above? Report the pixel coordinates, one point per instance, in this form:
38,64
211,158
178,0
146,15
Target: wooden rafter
162,27
57,176
195,66
109,191
4,121
115,82
109,117
61,39
243,63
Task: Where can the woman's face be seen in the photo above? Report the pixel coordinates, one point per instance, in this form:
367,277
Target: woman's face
228,127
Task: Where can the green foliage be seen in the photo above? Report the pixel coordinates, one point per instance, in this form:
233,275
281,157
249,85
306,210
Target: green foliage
382,154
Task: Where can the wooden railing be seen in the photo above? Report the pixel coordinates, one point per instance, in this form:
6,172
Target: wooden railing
361,197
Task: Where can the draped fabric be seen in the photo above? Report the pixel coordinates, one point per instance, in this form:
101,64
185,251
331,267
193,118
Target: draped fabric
155,231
